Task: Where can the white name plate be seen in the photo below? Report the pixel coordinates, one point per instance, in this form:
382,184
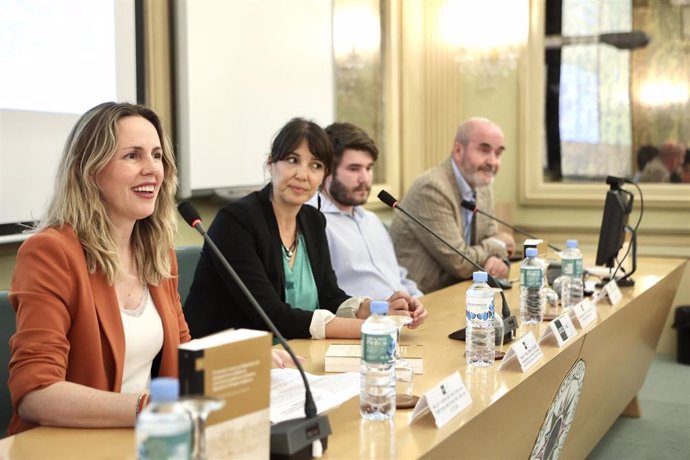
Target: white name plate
585,313
613,292
527,351
561,328
445,400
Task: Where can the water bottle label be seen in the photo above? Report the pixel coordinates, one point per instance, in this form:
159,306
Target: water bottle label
531,277
572,267
479,310
377,349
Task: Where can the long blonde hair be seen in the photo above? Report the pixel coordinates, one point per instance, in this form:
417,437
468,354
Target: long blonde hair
77,200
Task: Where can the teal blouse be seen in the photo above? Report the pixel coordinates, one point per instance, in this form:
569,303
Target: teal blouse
300,288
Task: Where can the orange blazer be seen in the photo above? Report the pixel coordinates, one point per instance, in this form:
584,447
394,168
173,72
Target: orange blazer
68,321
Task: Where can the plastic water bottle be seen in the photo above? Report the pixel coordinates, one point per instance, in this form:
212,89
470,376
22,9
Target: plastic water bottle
164,427
377,376
572,287
480,333
531,283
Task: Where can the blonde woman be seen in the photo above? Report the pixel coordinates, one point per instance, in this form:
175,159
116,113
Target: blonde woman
95,288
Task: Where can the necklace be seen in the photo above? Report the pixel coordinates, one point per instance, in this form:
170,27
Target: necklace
289,252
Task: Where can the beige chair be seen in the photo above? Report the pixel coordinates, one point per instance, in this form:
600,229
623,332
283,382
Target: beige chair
7,328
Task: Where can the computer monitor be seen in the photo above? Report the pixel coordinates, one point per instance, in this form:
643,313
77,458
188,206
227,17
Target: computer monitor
617,208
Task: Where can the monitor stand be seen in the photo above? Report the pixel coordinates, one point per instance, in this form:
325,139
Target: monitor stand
625,280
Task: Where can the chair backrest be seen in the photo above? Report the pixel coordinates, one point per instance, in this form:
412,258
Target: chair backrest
7,328
187,258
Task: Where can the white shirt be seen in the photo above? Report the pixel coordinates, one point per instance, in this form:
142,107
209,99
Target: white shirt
143,341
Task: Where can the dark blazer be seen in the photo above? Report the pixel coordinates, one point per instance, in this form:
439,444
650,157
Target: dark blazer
68,321
246,232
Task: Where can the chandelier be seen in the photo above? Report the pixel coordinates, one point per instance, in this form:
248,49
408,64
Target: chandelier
487,36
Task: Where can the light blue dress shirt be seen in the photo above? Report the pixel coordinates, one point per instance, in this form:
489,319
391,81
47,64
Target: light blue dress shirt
362,253
466,193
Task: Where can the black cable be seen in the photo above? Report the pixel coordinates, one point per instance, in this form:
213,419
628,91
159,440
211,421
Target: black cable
634,232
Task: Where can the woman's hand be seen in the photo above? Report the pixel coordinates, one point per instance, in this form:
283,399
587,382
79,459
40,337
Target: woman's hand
281,358
364,309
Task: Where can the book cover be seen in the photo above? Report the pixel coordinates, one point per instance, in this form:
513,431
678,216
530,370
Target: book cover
235,366
346,357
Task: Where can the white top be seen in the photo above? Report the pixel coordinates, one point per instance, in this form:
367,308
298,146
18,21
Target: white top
143,340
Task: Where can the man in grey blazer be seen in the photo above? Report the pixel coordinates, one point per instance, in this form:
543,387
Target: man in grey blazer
435,198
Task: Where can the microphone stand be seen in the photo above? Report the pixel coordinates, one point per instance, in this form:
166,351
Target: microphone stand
470,206
509,321
292,438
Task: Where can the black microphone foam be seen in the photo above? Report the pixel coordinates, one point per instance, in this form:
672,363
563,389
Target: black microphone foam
387,198
189,213
626,40
291,438
509,321
469,205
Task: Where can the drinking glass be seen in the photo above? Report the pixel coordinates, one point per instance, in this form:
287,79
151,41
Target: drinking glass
403,369
199,407
499,334
551,306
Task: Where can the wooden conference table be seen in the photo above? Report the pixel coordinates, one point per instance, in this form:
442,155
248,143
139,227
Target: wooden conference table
508,407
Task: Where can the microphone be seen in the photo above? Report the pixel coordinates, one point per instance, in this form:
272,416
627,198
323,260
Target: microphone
472,206
291,438
509,321
621,40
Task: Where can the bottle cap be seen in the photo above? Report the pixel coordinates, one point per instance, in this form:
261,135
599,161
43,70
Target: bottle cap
571,244
531,252
479,277
379,307
164,389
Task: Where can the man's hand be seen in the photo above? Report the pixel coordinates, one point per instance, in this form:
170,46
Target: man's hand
507,238
418,312
403,304
496,267
399,304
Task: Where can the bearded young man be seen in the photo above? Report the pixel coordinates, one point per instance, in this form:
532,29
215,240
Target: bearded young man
361,249
435,199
